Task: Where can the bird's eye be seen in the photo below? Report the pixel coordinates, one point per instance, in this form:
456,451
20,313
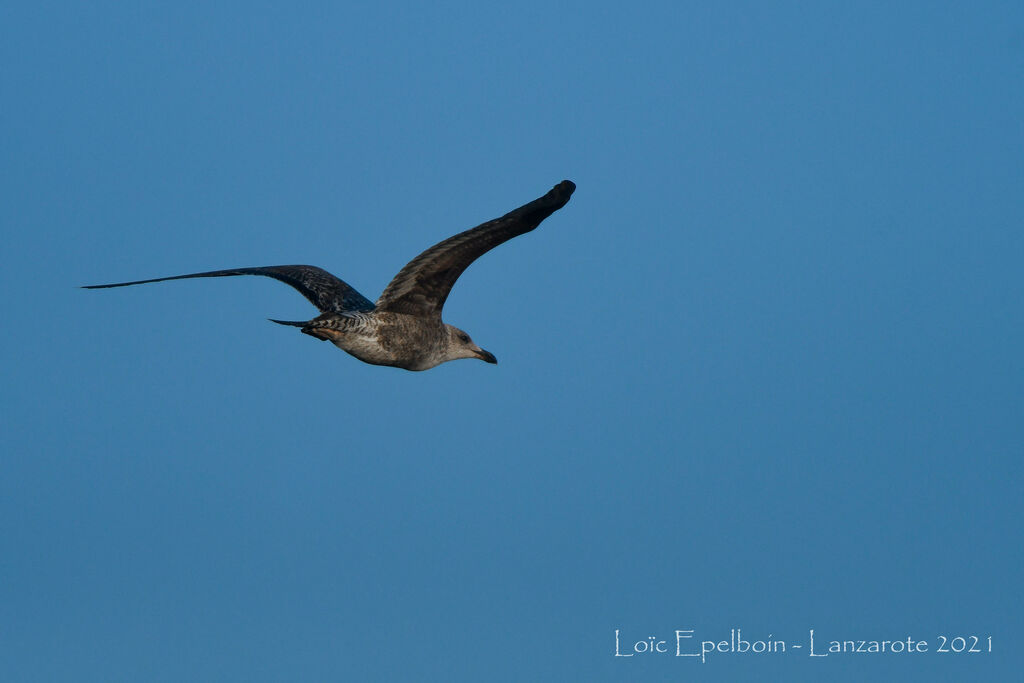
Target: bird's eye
464,338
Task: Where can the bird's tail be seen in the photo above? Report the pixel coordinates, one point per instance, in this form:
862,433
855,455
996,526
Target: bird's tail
322,335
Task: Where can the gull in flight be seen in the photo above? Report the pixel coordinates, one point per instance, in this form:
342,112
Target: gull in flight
404,328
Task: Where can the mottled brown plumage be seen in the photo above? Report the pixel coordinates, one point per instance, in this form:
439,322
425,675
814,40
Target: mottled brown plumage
404,328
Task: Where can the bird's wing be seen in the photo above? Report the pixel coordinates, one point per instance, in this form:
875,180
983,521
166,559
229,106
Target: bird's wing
326,292
422,286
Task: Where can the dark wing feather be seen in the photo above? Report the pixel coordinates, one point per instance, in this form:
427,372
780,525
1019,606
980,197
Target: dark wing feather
422,286
323,290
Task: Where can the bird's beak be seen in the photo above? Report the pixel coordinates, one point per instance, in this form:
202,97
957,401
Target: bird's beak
486,356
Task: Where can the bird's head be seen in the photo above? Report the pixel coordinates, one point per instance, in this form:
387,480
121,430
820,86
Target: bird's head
461,346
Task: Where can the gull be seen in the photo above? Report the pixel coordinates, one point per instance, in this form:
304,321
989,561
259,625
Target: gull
403,329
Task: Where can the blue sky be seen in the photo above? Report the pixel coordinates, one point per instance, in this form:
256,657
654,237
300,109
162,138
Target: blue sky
762,373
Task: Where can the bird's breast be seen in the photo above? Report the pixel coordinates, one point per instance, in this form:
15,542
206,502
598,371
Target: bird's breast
394,339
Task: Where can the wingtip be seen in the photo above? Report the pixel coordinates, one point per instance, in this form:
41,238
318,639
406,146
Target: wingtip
561,192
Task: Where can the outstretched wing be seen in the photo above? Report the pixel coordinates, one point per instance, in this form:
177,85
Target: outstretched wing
323,290
422,286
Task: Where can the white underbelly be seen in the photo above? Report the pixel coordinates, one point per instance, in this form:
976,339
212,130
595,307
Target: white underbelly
366,349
